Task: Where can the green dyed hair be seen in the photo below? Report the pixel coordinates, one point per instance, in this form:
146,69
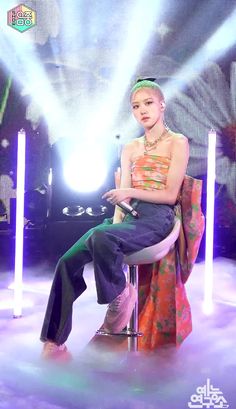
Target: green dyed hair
147,83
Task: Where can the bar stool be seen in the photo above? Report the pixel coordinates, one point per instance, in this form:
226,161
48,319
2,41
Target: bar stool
147,255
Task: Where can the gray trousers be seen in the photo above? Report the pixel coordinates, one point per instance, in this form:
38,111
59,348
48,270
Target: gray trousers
105,245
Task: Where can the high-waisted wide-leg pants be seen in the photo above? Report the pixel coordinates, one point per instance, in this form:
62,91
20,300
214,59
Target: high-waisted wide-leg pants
105,245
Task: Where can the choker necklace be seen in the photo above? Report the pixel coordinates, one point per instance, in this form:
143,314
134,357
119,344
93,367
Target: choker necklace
149,146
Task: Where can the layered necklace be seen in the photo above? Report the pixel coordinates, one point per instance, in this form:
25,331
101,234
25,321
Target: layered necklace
149,146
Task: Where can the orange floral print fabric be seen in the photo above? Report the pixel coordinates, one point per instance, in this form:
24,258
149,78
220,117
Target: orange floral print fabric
149,172
164,309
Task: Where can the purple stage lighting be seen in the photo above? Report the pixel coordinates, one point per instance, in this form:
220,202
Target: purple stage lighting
211,165
20,190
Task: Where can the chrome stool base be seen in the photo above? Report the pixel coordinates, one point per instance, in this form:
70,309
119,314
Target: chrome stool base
132,337
126,332
131,331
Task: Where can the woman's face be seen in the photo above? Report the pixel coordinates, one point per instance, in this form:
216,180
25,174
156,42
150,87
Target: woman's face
147,107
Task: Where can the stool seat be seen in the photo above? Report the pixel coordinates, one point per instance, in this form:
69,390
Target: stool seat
149,255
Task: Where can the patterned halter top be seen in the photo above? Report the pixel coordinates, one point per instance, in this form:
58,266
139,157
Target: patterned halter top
149,172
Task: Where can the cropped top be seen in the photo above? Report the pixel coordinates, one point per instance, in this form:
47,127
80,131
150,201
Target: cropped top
149,172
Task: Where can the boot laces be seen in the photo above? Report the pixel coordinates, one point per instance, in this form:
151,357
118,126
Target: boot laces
114,306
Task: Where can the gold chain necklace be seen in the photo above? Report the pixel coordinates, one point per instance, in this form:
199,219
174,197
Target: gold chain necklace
149,146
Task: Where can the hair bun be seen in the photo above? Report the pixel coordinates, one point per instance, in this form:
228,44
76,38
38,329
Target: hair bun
146,79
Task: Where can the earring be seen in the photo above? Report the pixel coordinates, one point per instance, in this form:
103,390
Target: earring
166,126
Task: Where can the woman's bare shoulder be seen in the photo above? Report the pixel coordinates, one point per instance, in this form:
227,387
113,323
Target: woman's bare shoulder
135,142
179,146
133,145
178,138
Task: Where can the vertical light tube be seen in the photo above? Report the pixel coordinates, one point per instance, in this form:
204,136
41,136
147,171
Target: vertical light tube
211,165
19,241
49,195
50,177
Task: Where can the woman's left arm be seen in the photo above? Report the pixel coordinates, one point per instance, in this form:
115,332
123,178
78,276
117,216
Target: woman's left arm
177,170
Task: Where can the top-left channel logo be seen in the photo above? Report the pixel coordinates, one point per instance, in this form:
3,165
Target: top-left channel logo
21,18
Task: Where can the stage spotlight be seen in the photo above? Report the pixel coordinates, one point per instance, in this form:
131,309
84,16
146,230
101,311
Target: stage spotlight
36,204
79,179
85,172
96,210
73,211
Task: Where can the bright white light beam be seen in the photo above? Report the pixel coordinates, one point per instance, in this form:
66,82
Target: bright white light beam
19,241
96,172
211,166
213,48
135,43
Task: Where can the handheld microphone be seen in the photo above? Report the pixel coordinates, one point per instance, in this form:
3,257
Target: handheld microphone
128,209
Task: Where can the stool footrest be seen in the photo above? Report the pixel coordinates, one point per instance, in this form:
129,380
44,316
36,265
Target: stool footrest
129,333
125,332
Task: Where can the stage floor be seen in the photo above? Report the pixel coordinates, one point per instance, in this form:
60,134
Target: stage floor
104,379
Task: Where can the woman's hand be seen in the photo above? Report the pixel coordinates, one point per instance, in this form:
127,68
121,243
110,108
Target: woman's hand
115,196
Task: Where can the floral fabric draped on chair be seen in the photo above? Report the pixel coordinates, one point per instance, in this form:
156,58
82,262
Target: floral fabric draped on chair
164,310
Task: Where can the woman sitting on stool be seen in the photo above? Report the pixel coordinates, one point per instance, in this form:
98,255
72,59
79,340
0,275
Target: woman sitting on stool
152,171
